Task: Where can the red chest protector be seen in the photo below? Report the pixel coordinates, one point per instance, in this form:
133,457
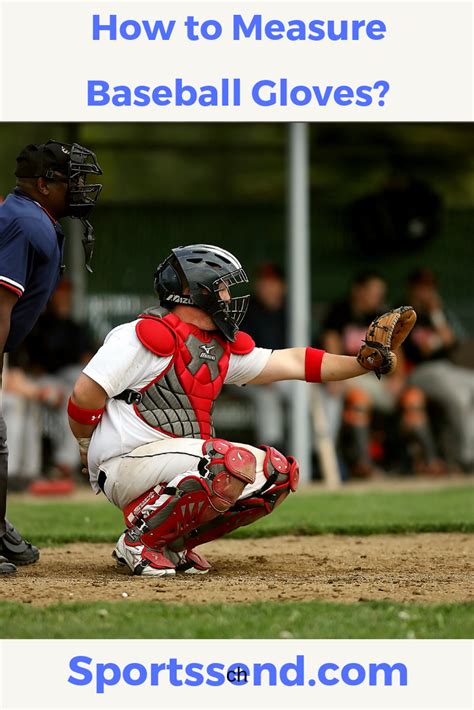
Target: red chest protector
181,399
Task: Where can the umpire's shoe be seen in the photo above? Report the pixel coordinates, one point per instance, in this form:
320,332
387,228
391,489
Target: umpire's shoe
17,550
6,567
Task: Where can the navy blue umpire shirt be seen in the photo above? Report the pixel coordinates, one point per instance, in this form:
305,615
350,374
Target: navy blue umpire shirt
31,253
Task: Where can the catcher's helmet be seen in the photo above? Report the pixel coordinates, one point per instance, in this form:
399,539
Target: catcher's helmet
204,269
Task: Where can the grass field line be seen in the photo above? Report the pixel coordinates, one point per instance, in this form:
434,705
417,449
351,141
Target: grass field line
279,620
307,513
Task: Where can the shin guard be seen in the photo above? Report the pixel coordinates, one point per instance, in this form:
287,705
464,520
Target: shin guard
172,511
282,476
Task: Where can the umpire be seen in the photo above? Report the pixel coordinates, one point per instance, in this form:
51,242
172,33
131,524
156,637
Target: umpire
51,183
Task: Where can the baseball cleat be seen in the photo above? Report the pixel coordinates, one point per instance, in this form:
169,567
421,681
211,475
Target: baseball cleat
188,561
6,567
142,560
16,549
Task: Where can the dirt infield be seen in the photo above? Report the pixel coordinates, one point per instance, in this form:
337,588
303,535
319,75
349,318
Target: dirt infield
428,567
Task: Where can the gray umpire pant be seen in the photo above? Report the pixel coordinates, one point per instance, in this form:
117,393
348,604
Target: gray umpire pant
3,474
3,462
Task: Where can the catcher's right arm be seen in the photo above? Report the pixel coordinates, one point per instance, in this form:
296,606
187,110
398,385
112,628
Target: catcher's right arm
384,335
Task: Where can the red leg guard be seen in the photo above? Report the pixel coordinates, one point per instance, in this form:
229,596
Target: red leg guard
244,512
283,475
195,500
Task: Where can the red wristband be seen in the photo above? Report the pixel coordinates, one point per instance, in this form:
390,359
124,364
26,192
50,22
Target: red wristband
312,364
90,417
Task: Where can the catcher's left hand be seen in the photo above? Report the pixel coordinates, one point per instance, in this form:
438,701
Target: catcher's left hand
385,334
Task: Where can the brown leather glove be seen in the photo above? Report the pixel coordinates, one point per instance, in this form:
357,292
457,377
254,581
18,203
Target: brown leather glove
384,335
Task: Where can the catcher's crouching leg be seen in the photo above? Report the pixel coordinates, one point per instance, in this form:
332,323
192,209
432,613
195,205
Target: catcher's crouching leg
282,477
190,500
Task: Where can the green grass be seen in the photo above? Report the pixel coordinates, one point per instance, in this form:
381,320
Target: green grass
49,522
306,513
129,619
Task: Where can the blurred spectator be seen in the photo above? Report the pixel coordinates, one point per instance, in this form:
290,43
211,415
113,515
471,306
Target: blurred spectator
266,322
428,350
39,381
23,398
350,406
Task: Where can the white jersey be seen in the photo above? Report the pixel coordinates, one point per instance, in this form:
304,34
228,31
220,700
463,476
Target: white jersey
124,363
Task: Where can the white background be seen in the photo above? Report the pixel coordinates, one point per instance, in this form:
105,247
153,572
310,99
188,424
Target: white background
48,55
439,674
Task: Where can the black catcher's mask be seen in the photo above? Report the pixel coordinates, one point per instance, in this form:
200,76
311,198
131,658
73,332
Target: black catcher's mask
206,269
71,163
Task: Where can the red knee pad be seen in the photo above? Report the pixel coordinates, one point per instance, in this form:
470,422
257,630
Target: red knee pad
280,469
237,460
230,468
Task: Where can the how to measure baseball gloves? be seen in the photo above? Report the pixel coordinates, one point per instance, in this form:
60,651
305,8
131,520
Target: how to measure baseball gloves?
385,335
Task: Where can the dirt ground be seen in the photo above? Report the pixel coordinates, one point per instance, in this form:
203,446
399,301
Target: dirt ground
428,567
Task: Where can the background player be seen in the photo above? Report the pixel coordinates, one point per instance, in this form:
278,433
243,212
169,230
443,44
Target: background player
51,183
142,413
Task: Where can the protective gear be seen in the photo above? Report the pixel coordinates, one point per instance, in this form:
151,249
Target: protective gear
82,197
385,334
206,270
17,550
279,469
71,163
74,163
168,513
181,400
282,476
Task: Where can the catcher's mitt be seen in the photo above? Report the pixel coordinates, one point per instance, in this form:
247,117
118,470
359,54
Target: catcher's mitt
385,334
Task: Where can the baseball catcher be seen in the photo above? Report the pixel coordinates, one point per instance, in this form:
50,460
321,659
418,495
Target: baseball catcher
142,412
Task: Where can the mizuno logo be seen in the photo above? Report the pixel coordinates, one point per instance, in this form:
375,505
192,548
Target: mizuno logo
207,348
206,354
178,299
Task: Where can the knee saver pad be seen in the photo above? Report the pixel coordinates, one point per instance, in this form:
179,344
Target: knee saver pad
280,469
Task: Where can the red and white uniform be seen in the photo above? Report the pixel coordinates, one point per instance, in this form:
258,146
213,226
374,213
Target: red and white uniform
179,371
